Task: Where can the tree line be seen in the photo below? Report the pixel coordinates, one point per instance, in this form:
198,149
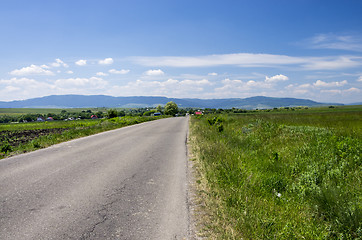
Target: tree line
170,108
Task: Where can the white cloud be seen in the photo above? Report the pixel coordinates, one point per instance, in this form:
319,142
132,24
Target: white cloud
101,74
156,72
300,90
106,61
31,70
18,81
59,63
276,78
212,74
320,83
93,82
352,90
235,87
252,83
332,91
81,62
359,79
122,71
317,85
343,92
335,41
195,82
170,87
11,89
253,60
324,92
306,85
45,66
240,59
23,88
232,88
70,72
332,63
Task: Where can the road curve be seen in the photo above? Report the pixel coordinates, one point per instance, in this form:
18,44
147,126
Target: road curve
128,183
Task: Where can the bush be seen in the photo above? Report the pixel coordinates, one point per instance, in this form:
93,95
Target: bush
148,113
112,113
171,108
6,147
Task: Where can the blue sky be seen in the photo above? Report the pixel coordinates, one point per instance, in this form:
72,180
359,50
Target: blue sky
185,49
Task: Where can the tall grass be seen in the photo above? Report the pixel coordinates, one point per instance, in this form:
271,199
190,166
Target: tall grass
286,176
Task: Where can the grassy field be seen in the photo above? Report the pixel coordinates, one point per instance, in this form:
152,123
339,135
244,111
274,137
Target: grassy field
288,175
23,111
18,138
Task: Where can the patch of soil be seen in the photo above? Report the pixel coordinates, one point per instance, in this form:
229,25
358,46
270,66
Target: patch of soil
15,138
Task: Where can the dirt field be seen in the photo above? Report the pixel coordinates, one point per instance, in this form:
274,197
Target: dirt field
14,138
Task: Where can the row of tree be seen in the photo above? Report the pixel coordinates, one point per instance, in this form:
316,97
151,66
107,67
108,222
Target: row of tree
170,108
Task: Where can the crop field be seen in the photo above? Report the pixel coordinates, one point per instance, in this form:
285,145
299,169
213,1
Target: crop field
287,175
18,138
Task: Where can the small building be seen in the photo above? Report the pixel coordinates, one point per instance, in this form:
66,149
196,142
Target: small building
50,119
94,117
40,119
198,113
157,114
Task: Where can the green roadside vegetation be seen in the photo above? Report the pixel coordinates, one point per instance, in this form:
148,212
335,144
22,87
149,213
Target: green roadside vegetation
27,129
279,173
8,115
24,137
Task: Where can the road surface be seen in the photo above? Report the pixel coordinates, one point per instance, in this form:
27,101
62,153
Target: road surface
129,183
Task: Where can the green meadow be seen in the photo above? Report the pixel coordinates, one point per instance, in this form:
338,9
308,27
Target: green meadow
279,175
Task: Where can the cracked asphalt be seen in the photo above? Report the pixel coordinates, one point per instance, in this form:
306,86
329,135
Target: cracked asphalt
129,183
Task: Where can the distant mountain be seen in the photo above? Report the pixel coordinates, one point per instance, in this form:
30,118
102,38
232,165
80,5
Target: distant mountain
83,101
357,103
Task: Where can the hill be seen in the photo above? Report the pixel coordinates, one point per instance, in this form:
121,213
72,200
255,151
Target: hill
83,101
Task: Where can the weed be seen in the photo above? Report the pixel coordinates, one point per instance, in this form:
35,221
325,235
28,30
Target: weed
5,147
281,176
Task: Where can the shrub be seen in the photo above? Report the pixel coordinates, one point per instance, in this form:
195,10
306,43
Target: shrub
6,147
171,108
112,113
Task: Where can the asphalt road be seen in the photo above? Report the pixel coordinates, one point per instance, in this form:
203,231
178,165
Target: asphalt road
129,183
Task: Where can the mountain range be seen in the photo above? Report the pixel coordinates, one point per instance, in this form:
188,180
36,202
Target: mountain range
84,101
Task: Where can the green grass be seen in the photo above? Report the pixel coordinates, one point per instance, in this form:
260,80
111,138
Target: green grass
23,140
280,176
48,125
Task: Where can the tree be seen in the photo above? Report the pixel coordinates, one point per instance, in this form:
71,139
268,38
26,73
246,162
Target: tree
112,113
148,113
159,108
99,114
171,108
121,113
